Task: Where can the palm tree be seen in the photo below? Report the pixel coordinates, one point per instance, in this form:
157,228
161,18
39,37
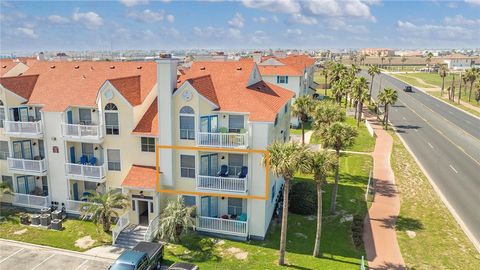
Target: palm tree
302,108
372,70
320,164
443,72
383,59
471,75
337,136
285,160
326,113
175,220
338,89
390,58
429,59
361,95
387,97
362,59
403,59
477,92
103,207
337,72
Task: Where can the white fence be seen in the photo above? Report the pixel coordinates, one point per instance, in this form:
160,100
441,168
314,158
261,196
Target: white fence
23,128
216,183
122,222
370,129
75,207
92,132
31,201
152,229
228,140
220,225
27,165
370,187
89,172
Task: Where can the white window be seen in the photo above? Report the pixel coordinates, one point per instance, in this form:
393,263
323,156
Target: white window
187,123
189,201
235,123
235,163
187,166
87,150
111,119
235,206
90,186
113,156
148,144
2,114
4,150
282,79
85,116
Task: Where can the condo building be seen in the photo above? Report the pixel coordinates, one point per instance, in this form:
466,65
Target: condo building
72,129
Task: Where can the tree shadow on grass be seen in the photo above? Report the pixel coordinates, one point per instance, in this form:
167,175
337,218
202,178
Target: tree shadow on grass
199,249
402,223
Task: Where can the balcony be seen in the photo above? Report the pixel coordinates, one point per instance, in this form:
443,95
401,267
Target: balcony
75,207
27,166
31,201
82,133
225,184
86,172
224,140
223,226
24,129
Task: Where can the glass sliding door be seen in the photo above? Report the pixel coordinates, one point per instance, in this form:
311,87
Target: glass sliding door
209,123
22,149
209,164
209,206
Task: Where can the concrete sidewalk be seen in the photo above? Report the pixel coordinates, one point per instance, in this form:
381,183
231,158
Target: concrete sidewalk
379,235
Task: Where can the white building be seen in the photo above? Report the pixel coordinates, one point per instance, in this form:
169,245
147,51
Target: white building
70,129
458,61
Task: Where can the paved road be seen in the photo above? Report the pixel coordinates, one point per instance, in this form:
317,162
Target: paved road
29,257
446,142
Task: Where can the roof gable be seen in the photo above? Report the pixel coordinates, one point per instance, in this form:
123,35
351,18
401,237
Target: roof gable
20,85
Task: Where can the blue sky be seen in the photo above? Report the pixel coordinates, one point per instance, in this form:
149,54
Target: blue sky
147,24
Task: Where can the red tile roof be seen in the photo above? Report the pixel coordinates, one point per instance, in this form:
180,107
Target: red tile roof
279,70
229,82
140,177
148,125
20,85
64,84
294,65
6,65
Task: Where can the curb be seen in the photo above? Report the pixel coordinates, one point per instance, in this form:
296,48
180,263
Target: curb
421,90
455,215
60,250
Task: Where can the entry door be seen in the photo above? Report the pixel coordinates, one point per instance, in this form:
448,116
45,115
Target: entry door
72,154
24,114
209,123
209,206
209,164
25,184
75,191
22,149
19,114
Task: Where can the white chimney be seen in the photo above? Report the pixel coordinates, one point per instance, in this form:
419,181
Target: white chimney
166,82
41,56
257,57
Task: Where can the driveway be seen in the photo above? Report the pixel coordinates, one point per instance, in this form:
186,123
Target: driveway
31,257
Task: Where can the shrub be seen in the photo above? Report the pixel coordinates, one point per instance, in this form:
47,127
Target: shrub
357,231
303,198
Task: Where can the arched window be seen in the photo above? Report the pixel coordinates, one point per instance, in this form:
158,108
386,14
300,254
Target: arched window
111,119
187,123
2,114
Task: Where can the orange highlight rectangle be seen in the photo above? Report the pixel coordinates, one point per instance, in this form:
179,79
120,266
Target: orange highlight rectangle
196,148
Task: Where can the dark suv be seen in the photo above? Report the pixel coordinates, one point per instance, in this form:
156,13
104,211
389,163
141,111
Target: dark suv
407,88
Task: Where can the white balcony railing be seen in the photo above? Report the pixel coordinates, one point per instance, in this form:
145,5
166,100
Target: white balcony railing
228,140
75,207
227,184
85,172
224,226
27,165
82,132
26,129
152,229
121,224
31,201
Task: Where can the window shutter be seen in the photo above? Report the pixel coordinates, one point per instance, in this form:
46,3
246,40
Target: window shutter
278,79
286,79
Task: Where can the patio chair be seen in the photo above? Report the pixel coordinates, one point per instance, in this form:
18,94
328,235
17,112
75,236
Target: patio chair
83,160
223,171
242,217
93,161
243,172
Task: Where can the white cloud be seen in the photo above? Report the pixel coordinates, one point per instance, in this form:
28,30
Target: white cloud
434,32
289,33
302,19
237,21
26,32
260,19
280,6
323,7
341,25
259,37
460,20
89,19
147,15
208,31
57,19
473,2
275,18
336,8
170,18
234,33
131,3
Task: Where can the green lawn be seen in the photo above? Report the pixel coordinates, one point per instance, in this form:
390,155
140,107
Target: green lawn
429,78
439,242
363,143
410,80
470,110
298,131
337,248
73,230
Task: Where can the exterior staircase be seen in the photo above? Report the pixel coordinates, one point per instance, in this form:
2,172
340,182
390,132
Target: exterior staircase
131,236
